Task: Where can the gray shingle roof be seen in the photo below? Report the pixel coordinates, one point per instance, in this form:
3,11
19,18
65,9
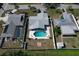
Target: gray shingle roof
13,21
38,21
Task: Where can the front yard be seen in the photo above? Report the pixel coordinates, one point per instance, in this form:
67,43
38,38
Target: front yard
30,12
54,13
75,12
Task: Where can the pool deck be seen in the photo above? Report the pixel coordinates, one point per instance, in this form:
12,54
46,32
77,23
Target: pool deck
31,34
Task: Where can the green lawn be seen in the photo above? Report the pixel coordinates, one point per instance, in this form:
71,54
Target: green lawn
42,53
1,22
72,42
74,11
30,12
54,13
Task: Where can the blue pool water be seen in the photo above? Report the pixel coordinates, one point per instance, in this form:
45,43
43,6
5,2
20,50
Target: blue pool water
40,34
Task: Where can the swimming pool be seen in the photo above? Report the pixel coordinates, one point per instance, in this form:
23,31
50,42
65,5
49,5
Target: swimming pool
40,34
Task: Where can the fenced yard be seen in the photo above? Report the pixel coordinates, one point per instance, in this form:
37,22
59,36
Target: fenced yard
12,44
39,43
72,42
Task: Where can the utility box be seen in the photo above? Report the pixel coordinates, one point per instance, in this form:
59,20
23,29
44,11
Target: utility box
60,45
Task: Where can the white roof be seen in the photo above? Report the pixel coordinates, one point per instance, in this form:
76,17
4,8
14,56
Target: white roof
60,45
67,30
38,21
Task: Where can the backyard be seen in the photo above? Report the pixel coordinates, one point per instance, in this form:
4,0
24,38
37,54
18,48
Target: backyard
54,13
72,42
1,28
12,44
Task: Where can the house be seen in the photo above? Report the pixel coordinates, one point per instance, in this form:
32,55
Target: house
8,6
13,27
67,25
39,23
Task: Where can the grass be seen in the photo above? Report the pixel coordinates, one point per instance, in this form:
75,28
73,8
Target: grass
12,44
74,11
46,44
30,12
57,31
72,42
41,53
1,22
54,13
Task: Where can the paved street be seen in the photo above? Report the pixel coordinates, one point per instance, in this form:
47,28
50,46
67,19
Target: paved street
74,6
39,6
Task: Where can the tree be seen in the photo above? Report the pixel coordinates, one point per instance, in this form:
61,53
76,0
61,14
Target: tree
70,8
57,31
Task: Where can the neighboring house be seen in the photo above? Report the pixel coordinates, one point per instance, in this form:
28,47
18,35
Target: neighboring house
8,6
67,25
13,27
